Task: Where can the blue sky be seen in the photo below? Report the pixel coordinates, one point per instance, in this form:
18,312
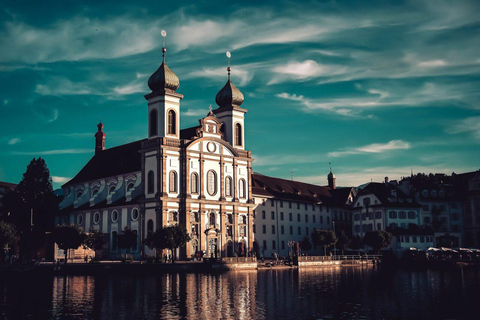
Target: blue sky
375,88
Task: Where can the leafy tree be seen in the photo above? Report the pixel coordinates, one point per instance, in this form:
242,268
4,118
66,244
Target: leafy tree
377,239
170,237
95,240
32,205
128,239
342,241
305,244
7,236
356,243
68,237
324,238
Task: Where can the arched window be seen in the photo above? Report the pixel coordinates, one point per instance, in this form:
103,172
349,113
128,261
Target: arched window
79,219
94,192
130,186
241,188
150,227
96,217
194,183
151,182
112,189
238,134
212,218
172,122
153,123
172,181
212,182
114,216
135,214
228,186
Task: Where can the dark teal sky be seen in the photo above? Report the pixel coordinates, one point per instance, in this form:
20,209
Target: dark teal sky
376,88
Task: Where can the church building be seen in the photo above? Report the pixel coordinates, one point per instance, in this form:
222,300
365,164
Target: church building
198,177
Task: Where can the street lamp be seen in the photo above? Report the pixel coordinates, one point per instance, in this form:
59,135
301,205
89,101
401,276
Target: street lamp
335,242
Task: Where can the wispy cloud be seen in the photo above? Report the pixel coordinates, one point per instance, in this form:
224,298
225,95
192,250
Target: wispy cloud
79,38
468,125
239,73
57,179
358,176
13,141
50,152
283,159
194,113
373,148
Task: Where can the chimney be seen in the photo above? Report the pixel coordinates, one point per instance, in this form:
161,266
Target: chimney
99,138
386,180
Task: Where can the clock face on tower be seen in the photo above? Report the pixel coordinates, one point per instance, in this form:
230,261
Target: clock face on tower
211,147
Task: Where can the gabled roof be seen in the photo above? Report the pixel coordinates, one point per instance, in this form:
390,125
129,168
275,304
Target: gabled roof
383,191
111,162
297,191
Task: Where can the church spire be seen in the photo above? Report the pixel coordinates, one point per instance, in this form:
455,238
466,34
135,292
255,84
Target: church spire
229,96
100,138
331,178
164,79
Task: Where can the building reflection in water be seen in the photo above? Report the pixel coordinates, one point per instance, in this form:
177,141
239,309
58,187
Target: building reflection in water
341,293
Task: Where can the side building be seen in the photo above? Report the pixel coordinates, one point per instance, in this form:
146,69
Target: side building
384,207
288,211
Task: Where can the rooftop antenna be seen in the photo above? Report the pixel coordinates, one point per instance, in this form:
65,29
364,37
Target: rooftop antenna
291,174
229,55
330,166
164,35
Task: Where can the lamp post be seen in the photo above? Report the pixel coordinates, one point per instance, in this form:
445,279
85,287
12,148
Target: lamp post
334,243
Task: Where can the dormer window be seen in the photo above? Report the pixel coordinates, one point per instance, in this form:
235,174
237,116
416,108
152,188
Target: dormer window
130,186
79,194
94,192
111,189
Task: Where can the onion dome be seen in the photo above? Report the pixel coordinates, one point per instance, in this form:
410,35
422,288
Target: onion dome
163,79
229,95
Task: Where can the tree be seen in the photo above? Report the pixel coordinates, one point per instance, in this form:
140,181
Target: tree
32,205
377,239
95,240
68,237
7,237
324,238
342,241
128,239
356,243
305,244
170,237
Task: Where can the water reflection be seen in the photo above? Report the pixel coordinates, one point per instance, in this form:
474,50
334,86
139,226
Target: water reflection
340,293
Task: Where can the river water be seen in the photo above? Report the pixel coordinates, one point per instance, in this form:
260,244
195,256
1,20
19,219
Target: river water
327,293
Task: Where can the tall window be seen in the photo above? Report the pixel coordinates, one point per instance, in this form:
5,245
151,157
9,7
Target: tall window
172,181
153,123
228,186
194,183
241,188
150,227
238,134
151,182
172,122
212,182
212,219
